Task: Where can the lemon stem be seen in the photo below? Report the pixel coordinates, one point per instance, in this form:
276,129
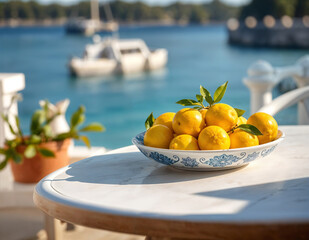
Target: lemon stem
233,129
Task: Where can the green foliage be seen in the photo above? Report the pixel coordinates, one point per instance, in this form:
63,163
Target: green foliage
240,112
93,127
188,102
45,152
219,11
250,129
149,121
30,151
219,93
205,95
40,132
198,15
276,8
122,11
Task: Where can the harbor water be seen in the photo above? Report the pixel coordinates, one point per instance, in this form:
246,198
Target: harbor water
198,55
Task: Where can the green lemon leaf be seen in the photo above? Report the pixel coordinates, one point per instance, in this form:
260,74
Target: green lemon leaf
46,152
149,121
93,127
188,102
250,129
85,140
206,95
30,151
240,112
219,93
199,98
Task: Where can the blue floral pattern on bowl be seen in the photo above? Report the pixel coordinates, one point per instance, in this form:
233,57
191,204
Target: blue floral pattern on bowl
189,162
251,157
206,160
222,160
266,152
163,159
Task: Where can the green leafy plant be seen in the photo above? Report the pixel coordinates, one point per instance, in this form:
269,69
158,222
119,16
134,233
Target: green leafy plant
205,95
41,132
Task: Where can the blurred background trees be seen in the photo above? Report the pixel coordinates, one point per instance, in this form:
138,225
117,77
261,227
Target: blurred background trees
122,11
139,11
275,8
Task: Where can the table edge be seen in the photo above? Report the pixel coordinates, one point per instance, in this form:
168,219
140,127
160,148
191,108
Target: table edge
166,227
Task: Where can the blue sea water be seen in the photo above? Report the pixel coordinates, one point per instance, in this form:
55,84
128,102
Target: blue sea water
198,55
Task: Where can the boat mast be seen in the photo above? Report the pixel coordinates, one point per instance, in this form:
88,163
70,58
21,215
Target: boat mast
95,14
108,12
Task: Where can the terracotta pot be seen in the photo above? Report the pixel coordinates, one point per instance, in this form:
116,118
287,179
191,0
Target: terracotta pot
32,170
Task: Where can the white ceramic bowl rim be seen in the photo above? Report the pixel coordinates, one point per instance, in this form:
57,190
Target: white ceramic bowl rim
280,137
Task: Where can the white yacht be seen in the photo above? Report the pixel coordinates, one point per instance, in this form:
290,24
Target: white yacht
112,55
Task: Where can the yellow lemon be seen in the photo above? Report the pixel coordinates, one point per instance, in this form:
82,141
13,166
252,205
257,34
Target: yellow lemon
241,120
158,136
188,121
267,125
203,112
213,138
165,119
221,115
184,142
240,139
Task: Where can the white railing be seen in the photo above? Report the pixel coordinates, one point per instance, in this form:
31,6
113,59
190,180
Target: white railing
262,78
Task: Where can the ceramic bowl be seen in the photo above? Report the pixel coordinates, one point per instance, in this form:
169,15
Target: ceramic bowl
207,160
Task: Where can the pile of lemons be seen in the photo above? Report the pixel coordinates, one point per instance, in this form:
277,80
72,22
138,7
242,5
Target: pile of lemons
216,126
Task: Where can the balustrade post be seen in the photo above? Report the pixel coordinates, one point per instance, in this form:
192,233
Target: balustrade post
10,84
260,81
302,80
262,77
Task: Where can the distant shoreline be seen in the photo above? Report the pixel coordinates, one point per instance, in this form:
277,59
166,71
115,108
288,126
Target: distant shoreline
11,23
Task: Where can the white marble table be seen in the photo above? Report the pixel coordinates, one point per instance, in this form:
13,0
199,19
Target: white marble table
126,192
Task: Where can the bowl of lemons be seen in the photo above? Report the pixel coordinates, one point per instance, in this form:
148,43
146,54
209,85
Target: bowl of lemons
208,137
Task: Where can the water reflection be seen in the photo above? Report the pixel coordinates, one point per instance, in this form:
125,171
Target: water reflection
123,83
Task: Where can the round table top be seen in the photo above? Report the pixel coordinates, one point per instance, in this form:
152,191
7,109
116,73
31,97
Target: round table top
124,191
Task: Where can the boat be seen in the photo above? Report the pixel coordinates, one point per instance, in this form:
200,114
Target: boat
81,25
117,56
89,27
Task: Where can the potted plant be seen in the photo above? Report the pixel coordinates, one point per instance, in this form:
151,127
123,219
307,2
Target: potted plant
34,156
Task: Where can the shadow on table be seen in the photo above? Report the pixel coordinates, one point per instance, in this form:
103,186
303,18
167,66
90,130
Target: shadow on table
131,168
289,195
